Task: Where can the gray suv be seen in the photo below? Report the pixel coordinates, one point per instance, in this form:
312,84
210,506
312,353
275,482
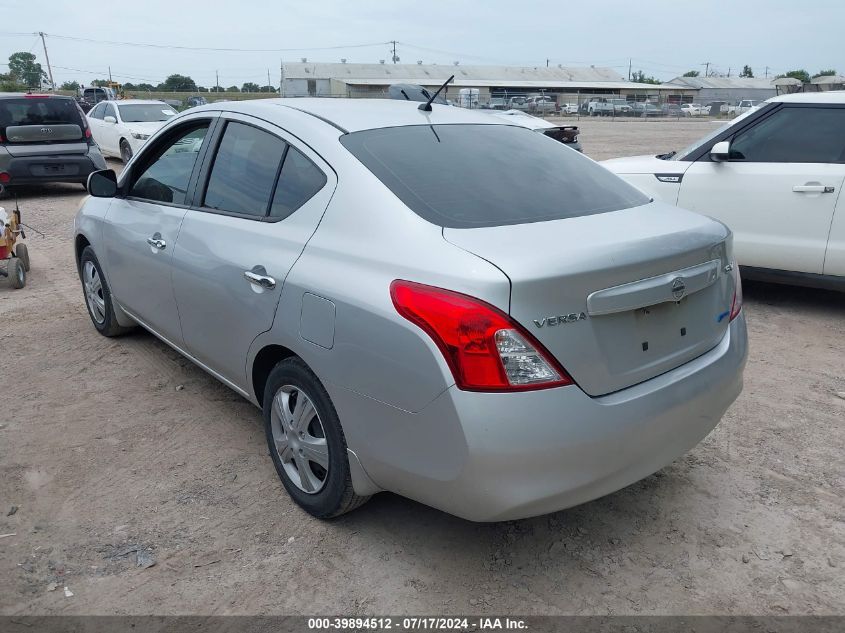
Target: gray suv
45,138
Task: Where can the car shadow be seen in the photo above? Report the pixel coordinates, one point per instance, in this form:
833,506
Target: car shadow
789,297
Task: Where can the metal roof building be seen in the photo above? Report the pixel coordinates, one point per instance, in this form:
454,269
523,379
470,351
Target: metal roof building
728,89
372,80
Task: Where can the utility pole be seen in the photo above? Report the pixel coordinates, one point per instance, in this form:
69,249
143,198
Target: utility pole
110,74
268,77
629,69
395,58
281,75
216,81
767,72
729,71
47,57
706,69
547,62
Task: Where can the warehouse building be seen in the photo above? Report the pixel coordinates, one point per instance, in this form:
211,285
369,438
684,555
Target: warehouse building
303,79
727,89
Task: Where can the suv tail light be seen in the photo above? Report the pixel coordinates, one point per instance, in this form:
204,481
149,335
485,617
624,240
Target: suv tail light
485,349
736,304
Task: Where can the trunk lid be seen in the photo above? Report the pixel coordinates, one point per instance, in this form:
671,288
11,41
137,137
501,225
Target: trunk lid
617,297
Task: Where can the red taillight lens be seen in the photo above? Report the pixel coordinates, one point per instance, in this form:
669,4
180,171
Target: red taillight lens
484,348
87,132
4,177
736,304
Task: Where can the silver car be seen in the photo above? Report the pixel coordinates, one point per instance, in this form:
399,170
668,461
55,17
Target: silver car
435,303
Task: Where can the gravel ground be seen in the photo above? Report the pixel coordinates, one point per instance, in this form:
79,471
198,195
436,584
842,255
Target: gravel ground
144,486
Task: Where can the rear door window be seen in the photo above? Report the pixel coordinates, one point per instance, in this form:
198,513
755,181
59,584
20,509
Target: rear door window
244,171
794,135
299,180
97,111
464,176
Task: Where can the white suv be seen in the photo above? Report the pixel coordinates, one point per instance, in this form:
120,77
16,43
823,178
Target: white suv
774,176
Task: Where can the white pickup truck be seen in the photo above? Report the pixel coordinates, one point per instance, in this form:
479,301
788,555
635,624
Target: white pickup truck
743,106
602,106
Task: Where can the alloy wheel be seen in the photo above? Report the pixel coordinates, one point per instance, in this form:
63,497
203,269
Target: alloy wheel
299,439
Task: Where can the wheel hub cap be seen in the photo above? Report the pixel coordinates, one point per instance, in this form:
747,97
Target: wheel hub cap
93,286
299,439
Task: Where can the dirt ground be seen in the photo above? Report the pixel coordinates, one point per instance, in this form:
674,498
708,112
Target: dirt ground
118,454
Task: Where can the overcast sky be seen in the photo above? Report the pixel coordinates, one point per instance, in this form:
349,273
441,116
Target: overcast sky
664,38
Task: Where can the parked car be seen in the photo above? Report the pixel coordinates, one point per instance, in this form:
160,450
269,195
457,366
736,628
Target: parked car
694,109
122,127
602,106
541,105
774,176
671,109
566,134
193,102
497,103
45,138
569,108
743,106
546,340
518,103
641,109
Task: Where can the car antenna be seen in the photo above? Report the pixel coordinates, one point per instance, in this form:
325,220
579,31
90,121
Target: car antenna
426,107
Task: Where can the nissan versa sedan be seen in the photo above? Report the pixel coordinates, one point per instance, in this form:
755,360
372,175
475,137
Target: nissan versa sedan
435,302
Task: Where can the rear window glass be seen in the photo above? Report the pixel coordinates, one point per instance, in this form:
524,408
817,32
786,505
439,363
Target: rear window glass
38,111
465,176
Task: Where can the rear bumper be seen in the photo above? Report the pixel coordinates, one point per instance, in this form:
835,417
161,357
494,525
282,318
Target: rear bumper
493,457
28,170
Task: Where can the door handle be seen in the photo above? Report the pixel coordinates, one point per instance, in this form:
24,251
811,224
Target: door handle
813,189
158,243
262,281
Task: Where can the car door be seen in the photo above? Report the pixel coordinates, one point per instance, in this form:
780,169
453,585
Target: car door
260,199
95,120
142,224
778,188
111,132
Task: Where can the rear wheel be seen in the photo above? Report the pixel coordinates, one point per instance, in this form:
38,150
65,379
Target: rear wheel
98,297
125,151
23,254
306,441
17,273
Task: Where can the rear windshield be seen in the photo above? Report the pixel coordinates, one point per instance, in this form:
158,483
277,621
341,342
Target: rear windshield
465,176
38,111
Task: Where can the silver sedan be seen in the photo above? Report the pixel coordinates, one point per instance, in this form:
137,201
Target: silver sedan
435,303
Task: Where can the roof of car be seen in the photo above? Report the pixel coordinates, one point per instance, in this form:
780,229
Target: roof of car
831,96
31,95
135,101
352,115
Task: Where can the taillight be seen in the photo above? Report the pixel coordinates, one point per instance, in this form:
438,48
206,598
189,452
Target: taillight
736,304
4,177
484,348
87,132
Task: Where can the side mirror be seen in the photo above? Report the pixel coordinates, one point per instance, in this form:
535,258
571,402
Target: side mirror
102,184
109,119
720,151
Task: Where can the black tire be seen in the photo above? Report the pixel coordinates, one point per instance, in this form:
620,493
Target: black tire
336,496
125,151
22,253
17,272
109,325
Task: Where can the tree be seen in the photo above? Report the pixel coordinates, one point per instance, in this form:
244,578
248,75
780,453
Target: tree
100,82
825,73
250,87
24,69
176,83
691,73
70,85
801,74
640,78
233,89
10,84
145,86
747,72
268,89
129,86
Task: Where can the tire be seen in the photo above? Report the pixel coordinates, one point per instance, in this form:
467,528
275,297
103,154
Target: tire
125,151
17,272
98,299
22,253
322,492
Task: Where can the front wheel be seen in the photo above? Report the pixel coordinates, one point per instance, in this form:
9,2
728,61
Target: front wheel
17,273
98,297
22,253
306,441
125,151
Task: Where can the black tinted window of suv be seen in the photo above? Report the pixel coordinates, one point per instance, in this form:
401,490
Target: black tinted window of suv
38,111
794,135
299,181
464,176
244,171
